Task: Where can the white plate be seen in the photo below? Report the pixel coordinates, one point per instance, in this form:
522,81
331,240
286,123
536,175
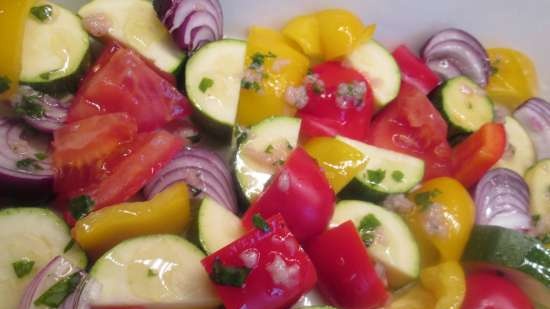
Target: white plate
522,25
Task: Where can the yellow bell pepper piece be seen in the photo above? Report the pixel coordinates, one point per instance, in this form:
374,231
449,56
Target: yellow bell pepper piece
340,161
513,78
443,218
272,65
167,212
304,30
416,297
13,14
447,282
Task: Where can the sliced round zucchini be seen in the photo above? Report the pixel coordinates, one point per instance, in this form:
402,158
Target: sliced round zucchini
135,23
217,226
394,245
538,180
31,236
160,269
387,172
463,104
378,66
262,140
56,49
520,152
213,83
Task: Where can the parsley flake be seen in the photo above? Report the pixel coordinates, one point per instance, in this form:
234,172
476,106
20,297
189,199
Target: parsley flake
28,164
376,176
397,176
22,267
248,85
69,246
205,84
40,156
4,83
260,223
42,13
30,106
424,199
228,275
258,59
367,227
151,273
57,293
269,149
80,206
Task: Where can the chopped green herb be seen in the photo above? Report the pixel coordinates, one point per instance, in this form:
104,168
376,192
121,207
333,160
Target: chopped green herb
28,164
289,146
280,162
40,156
269,149
258,59
57,293
4,83
397,176
367,227
376,176
30,106
317,88
43,12
255,86
22,267
151,273
424,199
228,275
205,84
260,223
69,246
80,206
536,219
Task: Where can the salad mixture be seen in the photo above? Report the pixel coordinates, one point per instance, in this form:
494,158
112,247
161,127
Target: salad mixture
147,161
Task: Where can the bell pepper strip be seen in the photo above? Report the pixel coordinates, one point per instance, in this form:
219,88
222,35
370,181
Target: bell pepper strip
347,276
305,31
447,282
340,162
414,71
474,156
265,269
442,219
301,193
416,297
167,213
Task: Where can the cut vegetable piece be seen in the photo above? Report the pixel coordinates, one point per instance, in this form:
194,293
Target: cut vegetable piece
217,226
379,68
213,83
534,116
160,269
305,31
56,51
538,180
519,153
134,23
30,235
521,258
387,172
414,71
463,104
255,161
394,245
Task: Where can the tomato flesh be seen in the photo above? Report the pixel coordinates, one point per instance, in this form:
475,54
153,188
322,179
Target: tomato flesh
411,125
414,71
486,290
301,193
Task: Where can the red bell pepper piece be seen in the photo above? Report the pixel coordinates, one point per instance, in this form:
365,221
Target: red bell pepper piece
414,71
272,269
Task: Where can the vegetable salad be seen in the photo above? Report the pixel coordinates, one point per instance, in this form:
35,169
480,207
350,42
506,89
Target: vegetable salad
148,161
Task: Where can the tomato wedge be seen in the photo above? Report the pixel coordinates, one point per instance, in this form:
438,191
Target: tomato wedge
474,156
123,82
414,71
502,294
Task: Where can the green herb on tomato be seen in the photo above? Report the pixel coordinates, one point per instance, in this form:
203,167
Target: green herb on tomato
260,223
424,199
229,275
80,206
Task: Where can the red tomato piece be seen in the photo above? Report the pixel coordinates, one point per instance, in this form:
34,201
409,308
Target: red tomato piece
346,273
127,170
474,156
411,125
414,71
279,269
340,101
301,193
486,290
123,82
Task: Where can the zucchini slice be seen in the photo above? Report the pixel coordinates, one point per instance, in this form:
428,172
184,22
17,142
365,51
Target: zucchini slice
32,235
396,248
275,132
463,104
538,180
387,172
156,269
135,23
520,151
217,226
213,83
56,50
378,66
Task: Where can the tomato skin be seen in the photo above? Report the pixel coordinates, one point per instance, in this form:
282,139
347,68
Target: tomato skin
301,193
485,290
414,71
323,116
346,273
474,156
122,82
259,290
411,125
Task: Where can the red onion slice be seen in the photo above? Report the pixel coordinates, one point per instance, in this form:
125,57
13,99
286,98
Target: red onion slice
454,34
502,198
534,116
54,110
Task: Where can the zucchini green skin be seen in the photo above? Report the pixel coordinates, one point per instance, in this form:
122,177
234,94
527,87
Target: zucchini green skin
357,190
